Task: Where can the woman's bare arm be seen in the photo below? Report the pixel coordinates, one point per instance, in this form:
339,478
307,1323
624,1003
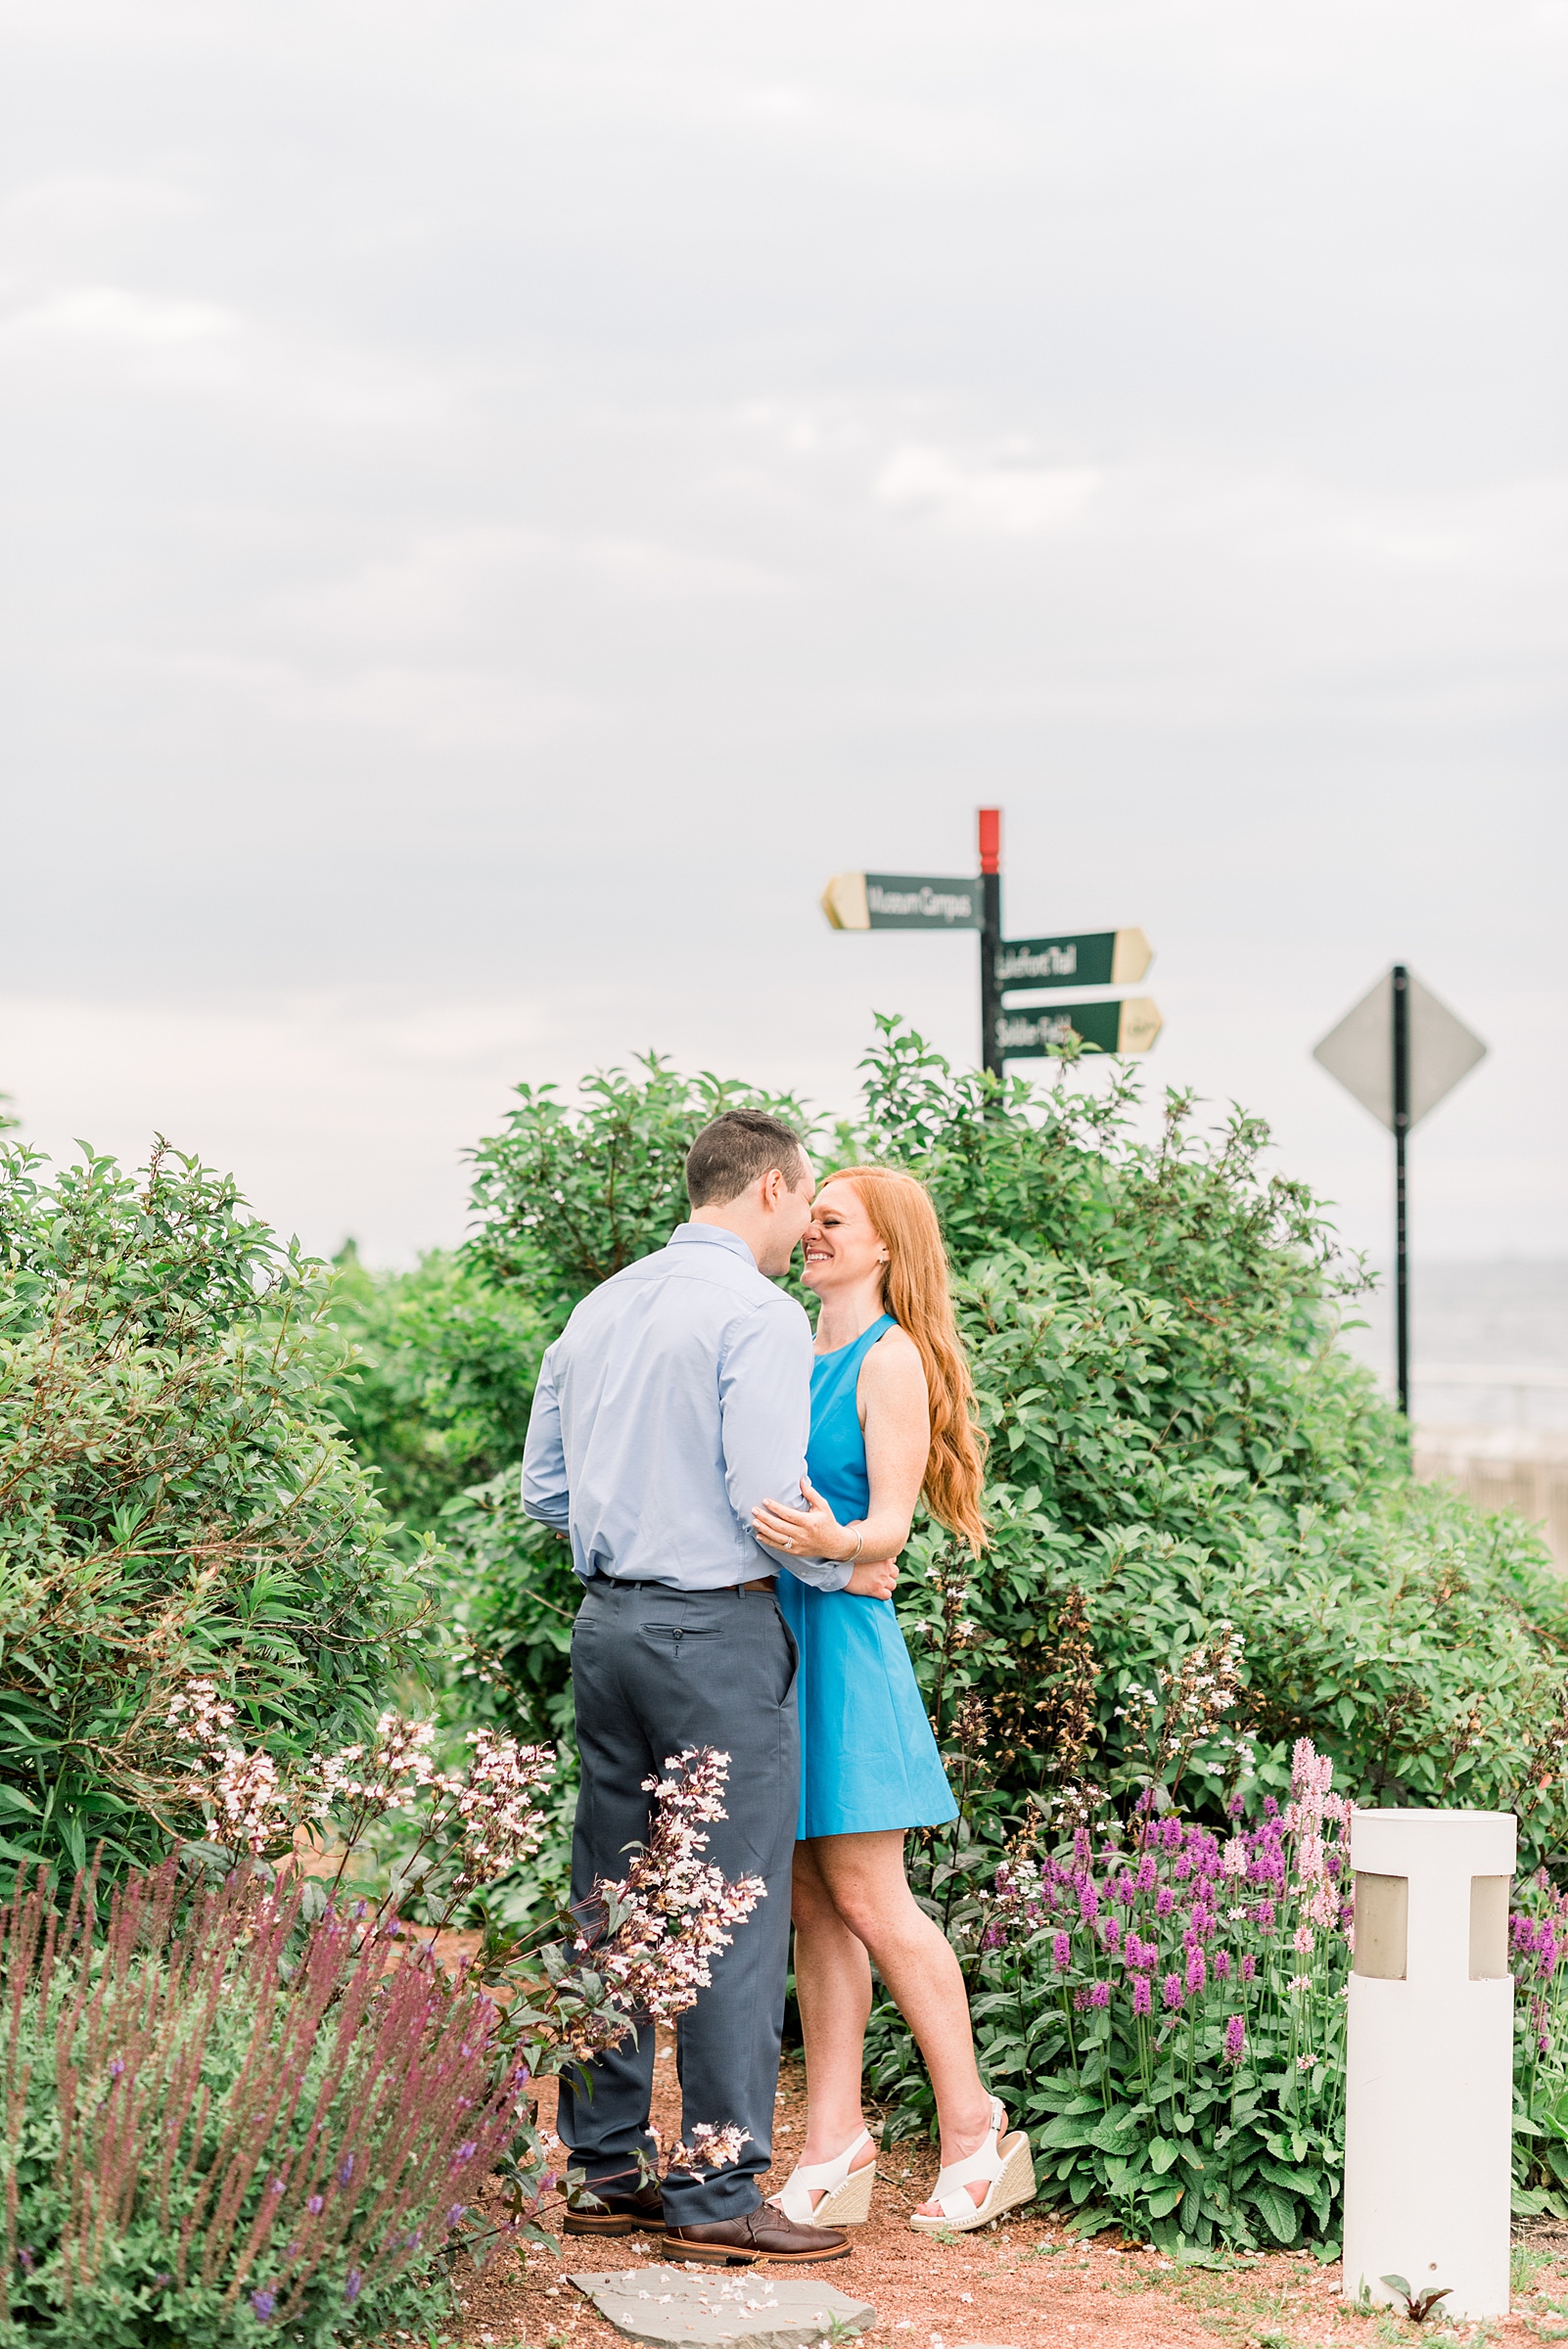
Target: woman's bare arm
895,1419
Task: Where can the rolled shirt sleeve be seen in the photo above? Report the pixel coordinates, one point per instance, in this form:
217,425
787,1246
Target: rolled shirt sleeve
546,1493
764,1402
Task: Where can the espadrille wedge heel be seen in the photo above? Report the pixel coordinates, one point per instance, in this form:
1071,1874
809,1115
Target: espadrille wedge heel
1006,2166
846,2189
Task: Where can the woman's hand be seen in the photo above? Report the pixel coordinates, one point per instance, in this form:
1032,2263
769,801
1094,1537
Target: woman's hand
811,1533
873,1578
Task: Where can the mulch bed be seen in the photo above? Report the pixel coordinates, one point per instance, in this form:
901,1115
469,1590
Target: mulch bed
1026,2285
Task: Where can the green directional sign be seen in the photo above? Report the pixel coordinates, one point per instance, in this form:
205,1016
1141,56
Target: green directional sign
903,901
1129,1026
1080,958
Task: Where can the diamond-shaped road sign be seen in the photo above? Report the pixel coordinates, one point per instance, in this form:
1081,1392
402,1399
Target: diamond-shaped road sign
1359,1051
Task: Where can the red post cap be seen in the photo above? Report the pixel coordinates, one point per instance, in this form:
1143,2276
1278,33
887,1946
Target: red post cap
991,840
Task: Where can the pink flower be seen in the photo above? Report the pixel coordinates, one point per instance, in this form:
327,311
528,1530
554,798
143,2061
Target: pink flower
1144,1881
1248,1967
1171,1990
1140,1994
1061,1952
1164,1901
1197,1972
1235,2038
1222,1965
1302,1938
1099,1993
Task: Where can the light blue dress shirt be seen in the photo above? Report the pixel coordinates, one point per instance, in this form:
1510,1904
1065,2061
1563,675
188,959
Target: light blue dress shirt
677,1397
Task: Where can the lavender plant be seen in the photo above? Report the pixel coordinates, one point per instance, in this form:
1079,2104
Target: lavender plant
1162,2007
255,2109
206,2145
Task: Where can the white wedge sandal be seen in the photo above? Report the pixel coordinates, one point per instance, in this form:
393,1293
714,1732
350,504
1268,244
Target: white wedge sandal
1005,2162
846,2192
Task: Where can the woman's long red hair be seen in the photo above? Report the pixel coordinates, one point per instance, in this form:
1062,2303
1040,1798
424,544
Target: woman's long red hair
917,1293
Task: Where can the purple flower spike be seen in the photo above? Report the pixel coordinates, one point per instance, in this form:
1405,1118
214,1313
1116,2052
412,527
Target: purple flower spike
346,2169
1197,1972
1164,1901
1171,1990
263,2303
1099,1993
1222,1965
1249,1967
1061,1952
1144,1879
1235,2038
351,2284
1140,1994
314,2206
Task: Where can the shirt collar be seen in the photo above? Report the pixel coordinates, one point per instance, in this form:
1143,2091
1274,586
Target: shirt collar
712,1235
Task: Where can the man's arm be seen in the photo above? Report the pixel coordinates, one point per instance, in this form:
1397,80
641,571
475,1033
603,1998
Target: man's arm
765,1402
547,1495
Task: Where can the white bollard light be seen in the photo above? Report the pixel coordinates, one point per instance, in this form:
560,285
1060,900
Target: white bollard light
1429,2059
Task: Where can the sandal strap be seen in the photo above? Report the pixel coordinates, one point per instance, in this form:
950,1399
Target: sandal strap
986,2164
794,2198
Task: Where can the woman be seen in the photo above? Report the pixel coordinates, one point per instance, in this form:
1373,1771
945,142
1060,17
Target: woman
892,1417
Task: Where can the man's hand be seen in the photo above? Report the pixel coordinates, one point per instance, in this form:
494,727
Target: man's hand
873,1578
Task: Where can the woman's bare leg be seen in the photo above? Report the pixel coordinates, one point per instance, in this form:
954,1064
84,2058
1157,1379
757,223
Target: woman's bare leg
833,1983
863,1880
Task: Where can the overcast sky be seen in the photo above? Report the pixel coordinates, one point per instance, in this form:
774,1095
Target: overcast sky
502,500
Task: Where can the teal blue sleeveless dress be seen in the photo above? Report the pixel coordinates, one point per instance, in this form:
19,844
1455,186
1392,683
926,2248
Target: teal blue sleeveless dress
868,1759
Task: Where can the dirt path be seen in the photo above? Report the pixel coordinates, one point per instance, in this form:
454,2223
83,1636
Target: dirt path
1027,2286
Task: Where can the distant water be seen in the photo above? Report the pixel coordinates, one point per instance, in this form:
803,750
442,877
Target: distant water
1510,1316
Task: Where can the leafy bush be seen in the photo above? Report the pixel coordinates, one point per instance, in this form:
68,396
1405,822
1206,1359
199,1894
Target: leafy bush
1176,1438
175,1497
442,1382
566,1196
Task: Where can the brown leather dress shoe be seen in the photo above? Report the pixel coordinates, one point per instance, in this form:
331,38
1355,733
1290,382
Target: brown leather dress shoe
764,2234
609,2213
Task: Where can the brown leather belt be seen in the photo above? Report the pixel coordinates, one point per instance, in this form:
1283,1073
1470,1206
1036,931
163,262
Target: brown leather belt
763,1582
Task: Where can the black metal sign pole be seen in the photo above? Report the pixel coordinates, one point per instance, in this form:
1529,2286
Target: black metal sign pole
1402,1127
991,1057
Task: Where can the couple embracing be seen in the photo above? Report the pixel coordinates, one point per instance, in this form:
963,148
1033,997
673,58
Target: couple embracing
736,1495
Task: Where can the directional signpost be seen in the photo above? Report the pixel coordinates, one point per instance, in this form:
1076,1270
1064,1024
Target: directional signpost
1076,959
1400,1051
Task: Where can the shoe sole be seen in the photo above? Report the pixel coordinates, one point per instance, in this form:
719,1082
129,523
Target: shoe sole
613,2222
726,2255
1014,2184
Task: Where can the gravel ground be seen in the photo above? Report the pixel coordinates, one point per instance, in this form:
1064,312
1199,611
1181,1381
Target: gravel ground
1029,2285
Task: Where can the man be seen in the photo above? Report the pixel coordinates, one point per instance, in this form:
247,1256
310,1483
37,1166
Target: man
677,1397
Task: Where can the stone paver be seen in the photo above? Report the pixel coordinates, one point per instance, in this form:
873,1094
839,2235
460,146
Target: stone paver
679,2308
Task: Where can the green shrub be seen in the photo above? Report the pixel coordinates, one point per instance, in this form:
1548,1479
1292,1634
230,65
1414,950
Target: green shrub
1177,1440
176,1498
566,1196
442,1383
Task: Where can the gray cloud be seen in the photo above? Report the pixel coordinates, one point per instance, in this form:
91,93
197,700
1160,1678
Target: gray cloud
502,503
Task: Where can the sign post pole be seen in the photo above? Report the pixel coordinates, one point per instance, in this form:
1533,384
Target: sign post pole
1399,1050
1402,1126
990,1052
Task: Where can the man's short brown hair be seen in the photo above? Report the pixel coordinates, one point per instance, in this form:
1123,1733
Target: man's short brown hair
727,1156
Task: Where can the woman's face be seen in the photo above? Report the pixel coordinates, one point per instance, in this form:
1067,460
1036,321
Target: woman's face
841,1244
